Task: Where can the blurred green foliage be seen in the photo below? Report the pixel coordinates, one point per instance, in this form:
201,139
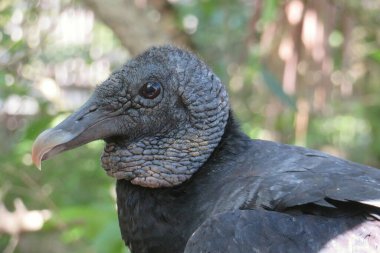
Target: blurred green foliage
229,36
75,188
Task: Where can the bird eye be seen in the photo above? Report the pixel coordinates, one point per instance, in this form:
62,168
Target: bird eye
150,90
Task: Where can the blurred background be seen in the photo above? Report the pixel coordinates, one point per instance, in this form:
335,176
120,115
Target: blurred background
299,72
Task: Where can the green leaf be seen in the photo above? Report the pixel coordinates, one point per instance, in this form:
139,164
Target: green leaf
109,239
269,12
375,56
275,86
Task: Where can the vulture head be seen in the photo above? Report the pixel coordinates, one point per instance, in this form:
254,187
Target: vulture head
161,116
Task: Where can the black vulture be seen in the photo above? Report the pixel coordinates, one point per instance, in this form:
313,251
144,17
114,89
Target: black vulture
189,180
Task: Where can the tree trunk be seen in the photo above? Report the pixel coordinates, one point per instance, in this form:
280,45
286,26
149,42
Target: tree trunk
139,25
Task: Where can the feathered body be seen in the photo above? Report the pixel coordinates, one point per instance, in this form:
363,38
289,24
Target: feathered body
319,195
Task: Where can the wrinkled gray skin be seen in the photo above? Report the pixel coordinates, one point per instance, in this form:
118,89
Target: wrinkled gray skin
190,180
168,137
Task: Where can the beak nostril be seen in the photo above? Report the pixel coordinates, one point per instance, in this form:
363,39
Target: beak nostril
93,108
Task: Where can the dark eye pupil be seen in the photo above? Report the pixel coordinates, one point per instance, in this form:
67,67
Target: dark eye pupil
151,90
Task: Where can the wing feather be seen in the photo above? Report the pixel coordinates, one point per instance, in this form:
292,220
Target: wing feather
265,231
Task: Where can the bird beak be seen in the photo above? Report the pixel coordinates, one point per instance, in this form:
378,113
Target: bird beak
87,124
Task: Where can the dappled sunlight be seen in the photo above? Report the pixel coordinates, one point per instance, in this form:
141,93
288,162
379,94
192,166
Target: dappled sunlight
347,129
310,29
74,26
20,105
298,72
19,221
294,11
302,121
288,54
190,23
49,89
52,55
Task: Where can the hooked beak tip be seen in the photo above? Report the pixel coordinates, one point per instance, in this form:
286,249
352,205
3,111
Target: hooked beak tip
46,144
36,157
36,162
